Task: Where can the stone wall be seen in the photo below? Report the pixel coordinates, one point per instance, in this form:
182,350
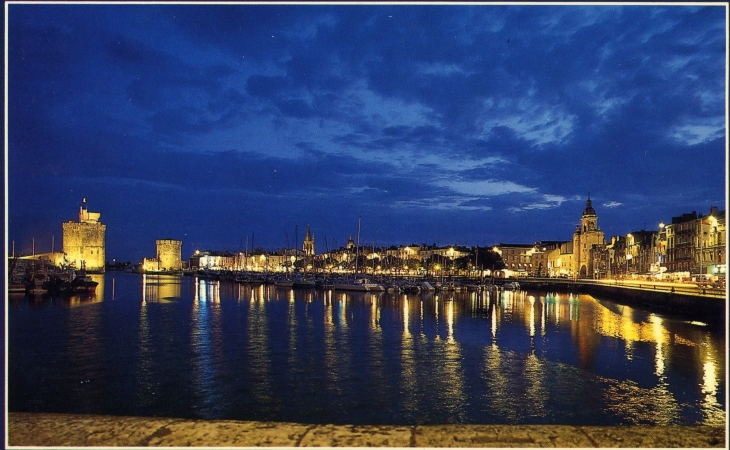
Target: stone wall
85,242
169,254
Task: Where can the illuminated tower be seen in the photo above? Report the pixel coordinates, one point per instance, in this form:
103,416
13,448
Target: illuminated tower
84,241
586,235
308,245
169,254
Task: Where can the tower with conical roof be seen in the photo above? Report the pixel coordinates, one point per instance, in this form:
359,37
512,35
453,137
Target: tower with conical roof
586,236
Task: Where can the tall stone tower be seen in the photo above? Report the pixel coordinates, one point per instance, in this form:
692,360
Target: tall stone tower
586,235
308,245
169,254
84,241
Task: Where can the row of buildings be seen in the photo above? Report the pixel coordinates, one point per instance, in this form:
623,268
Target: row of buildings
691,245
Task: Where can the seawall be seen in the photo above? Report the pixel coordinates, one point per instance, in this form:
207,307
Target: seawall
691,304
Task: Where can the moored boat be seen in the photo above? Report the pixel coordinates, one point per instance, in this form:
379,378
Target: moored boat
361,285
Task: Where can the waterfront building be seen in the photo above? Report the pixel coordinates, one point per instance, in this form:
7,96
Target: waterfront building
84,241
560,260
212,260
517,258
411,252
681,237
540,258
713,255
696,244
640,251
586,235
615,256
659,258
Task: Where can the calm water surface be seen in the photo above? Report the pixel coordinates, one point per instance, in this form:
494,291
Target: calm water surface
181,347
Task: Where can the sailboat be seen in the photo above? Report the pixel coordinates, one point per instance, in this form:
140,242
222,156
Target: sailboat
362,284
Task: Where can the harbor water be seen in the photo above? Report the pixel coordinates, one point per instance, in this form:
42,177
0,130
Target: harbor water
169,346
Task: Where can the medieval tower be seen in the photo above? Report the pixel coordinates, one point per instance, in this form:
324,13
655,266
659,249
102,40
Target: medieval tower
84,241
169,254
586,235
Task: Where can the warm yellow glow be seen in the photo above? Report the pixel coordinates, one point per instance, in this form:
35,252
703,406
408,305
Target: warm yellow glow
450,321
406,331
532,316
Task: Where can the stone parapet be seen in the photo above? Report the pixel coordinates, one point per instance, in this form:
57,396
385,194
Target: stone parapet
73,430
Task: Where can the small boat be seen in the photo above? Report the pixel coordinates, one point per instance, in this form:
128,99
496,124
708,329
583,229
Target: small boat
511,286
82,283
304,283
284,283
361,285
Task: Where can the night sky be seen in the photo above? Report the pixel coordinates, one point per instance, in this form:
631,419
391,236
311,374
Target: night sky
455,124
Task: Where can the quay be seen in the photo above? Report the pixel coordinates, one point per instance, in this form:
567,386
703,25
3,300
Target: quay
691,301
71,430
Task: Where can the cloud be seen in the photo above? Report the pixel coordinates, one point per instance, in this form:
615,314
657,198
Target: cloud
529,119
485,188
309,109
698,131
543,201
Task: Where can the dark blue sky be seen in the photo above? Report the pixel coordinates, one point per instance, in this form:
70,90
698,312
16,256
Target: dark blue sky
439,124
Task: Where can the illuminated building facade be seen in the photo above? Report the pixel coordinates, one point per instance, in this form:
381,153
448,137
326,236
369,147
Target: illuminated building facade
169,254
169,257
517,258
696,244
84,241
308,244
560,260
640,251
586,235
210,260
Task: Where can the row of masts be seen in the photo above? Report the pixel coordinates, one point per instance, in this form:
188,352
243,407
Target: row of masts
53,247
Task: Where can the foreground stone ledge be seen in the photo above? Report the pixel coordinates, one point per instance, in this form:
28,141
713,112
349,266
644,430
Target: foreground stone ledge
77,430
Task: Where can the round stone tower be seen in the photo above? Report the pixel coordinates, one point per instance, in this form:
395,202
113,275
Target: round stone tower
169,254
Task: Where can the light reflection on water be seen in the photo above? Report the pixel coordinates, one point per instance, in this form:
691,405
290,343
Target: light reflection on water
171,346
